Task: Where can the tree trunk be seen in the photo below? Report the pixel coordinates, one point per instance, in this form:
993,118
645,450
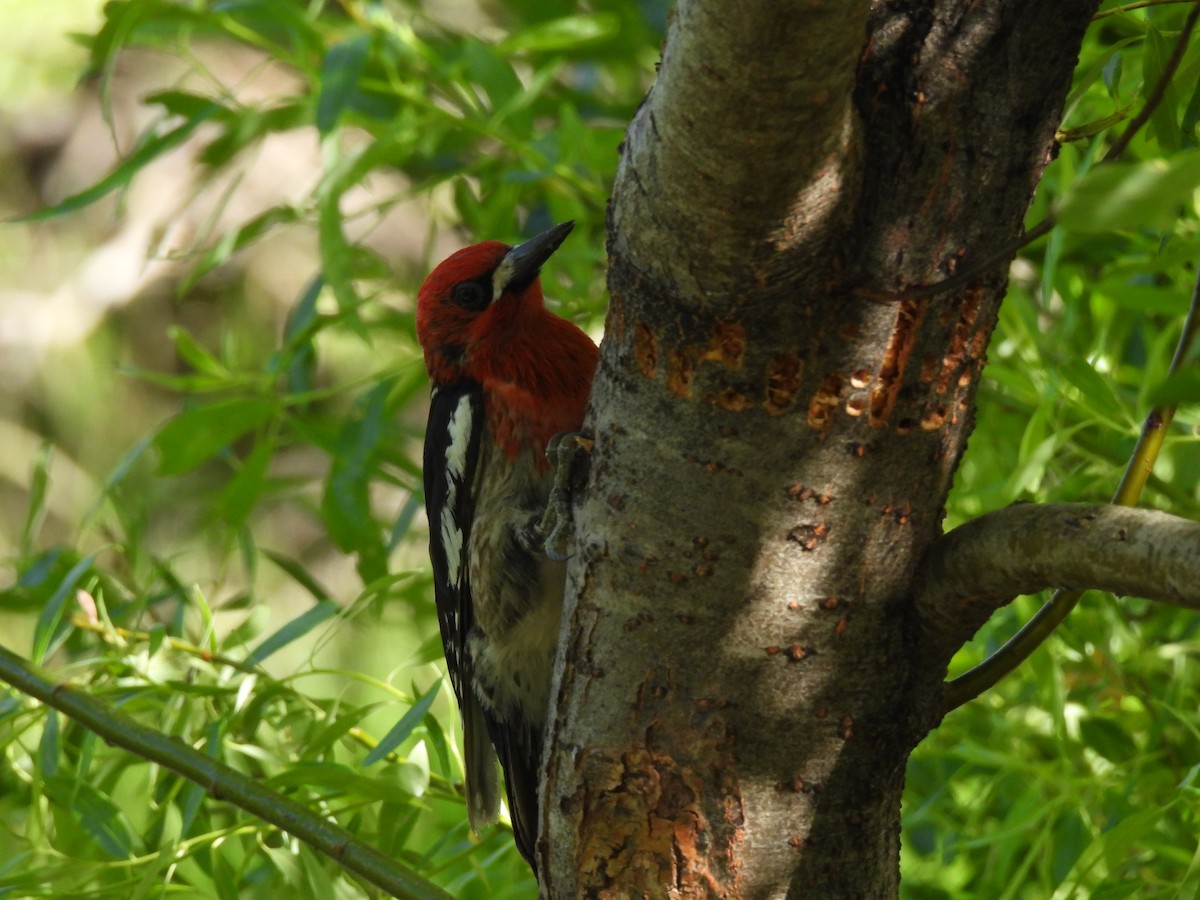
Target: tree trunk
776,431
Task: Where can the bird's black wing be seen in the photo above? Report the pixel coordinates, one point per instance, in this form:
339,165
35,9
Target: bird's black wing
452,438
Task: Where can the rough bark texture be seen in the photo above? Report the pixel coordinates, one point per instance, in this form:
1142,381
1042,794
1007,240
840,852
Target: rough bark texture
739,689
1022,549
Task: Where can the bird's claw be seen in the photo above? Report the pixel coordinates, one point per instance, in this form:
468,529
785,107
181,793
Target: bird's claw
555,526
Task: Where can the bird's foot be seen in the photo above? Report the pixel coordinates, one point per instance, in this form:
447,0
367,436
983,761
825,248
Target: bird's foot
555,527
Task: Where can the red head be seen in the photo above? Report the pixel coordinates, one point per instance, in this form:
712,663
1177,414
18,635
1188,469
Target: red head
480,316
480,295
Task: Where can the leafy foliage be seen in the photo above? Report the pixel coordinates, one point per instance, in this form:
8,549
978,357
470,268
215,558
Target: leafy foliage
191,588
1077,776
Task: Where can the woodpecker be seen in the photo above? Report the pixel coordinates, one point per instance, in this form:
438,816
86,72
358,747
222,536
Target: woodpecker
507,375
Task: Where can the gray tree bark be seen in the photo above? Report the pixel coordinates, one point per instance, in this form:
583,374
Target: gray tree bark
1025,548
741,677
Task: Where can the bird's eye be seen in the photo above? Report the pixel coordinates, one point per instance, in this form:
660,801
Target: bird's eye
471,295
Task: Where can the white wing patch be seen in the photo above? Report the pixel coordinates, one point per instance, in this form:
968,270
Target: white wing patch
459,429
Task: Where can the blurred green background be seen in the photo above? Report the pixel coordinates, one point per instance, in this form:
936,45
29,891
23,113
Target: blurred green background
212,405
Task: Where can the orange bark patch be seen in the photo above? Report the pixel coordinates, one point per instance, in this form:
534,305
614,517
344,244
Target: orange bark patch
809,536
956,352
934,419
895,358
645,831
645,350
728,398
680,372
824,402
728,345
783,379
929,369
799,491
979,344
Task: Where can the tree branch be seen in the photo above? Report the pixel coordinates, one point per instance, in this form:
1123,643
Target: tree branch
980,566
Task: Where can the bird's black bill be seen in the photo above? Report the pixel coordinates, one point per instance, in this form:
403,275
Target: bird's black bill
522,263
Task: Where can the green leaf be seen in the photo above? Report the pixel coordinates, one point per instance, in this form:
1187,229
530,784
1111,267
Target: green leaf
304,313
293,630
300,351
194,355
1114,845
248,127
342,69
567,33
39,487
346,505
336,728
46,632
147,152
488,68
298,573
239,496
402,729
48,748
317,884
198,434
1112,76
430,651
1162,118
441,746
1131,195
1143,298
237,239
187,105
284,30
115,477
1108,738
126,19
1182,387
404,520
1097,391
100,817
333,779
1191,117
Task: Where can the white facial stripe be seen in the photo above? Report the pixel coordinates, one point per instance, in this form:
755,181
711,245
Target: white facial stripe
502,276
459,429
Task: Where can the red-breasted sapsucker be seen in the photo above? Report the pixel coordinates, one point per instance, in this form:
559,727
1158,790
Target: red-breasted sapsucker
507,376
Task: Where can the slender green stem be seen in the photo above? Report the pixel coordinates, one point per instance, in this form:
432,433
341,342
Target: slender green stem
218,779
971,684
1140,4
1159,91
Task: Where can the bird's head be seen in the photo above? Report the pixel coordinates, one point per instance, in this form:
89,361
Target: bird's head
488,291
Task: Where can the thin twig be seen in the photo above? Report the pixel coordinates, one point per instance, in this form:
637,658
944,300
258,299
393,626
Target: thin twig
1129,7
1160,88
